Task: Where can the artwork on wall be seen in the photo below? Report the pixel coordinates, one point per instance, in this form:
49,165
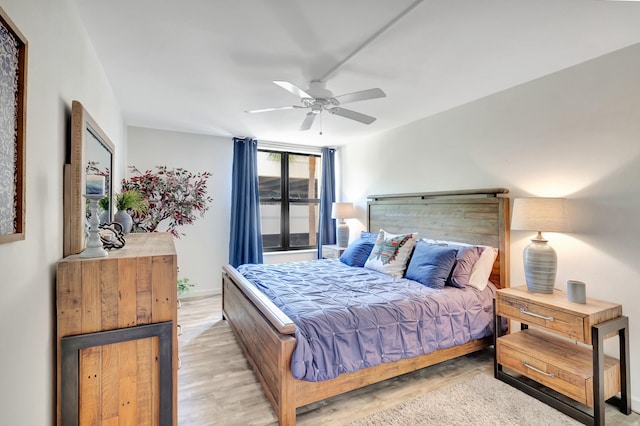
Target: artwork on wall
13,57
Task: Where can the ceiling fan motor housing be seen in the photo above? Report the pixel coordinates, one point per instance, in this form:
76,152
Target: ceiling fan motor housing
318,90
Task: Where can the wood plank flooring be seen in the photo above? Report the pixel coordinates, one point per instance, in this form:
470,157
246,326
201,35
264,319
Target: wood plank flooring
217,387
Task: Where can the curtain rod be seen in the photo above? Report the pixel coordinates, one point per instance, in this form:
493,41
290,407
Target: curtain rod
289,147
283,146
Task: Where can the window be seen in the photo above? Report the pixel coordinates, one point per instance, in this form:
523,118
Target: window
289,185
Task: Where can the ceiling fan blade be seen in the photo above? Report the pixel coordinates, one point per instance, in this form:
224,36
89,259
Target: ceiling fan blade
362,95
252,111
308,121
293,89
347,113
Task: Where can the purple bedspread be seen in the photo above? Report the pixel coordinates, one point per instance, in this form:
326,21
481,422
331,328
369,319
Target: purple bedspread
349,318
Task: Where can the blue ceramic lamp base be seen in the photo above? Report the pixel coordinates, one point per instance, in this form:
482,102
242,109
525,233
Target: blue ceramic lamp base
342,234
540,265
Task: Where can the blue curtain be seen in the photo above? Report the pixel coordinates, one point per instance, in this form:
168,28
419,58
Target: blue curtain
327,225
245,242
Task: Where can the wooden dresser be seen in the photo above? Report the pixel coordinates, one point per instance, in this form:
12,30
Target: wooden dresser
116,335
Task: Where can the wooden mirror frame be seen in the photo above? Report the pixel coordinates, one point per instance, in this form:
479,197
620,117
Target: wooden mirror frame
75,177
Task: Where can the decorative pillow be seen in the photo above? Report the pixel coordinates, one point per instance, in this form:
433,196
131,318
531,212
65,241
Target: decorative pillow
431,264
369,236
391,253
432,241
465,261
482,269
357,253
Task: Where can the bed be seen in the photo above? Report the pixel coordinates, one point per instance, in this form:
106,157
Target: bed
267,335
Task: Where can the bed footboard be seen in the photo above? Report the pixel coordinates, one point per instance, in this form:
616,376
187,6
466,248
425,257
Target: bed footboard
267,350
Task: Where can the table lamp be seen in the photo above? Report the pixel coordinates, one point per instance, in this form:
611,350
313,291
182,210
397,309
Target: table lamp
540,259
342,211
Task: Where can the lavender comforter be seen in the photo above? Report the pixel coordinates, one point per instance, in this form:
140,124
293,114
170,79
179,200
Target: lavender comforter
350,318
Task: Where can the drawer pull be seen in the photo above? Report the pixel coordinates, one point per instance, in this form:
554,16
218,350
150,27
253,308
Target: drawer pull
537,370
522,311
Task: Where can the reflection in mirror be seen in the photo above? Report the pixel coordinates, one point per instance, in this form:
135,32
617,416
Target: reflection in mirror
91,154
98,162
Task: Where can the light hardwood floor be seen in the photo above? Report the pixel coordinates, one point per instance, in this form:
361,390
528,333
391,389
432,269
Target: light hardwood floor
217,387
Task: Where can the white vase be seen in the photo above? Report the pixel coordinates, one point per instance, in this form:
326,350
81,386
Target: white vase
124,219
104,216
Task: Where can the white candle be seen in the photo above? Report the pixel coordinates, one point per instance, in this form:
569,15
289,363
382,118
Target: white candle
95,185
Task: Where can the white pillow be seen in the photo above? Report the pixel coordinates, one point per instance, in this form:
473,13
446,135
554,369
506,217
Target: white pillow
391,253
482,269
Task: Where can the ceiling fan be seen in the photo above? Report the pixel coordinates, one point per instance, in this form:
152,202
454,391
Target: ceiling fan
318,98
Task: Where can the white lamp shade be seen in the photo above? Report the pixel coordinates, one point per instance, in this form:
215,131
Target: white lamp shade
341,210
540,214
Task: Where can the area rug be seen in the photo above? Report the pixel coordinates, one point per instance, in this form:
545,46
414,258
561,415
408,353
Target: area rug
480,400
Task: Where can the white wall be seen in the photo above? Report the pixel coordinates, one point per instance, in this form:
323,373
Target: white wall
289,256
62,66
575,133
204,248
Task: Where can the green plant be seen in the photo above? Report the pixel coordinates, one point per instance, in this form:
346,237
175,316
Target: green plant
184,285
103,203
131,199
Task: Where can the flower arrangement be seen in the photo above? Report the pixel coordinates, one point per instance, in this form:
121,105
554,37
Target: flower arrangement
176,195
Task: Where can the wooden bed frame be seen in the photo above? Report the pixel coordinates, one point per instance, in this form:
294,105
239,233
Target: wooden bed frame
266,334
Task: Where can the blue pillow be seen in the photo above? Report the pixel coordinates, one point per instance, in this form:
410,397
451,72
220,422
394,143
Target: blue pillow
358,252
431,264
465,260
370,237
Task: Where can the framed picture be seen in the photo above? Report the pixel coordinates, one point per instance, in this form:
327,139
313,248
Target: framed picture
13,97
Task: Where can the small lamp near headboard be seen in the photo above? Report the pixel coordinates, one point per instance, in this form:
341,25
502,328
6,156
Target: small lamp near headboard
540,259
342,211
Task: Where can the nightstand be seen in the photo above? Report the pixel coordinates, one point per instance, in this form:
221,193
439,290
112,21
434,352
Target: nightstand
560,346
332,251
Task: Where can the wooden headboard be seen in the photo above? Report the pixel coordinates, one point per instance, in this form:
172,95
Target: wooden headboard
479,216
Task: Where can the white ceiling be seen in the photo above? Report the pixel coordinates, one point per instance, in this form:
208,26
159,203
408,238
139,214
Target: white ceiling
197,65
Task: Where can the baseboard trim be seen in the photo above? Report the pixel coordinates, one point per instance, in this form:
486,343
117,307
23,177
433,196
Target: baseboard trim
200,293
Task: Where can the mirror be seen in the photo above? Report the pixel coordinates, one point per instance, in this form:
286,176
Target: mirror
91,154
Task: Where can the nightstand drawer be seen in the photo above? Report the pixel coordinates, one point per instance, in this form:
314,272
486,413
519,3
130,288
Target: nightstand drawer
560,322
554,313
558,364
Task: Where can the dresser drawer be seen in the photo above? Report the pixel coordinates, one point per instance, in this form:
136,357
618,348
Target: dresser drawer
557,321
556,363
